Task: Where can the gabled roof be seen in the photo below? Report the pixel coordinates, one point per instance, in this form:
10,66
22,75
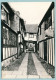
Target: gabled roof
31,28
47,13
6,4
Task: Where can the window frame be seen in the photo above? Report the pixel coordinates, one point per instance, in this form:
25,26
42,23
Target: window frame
6,14
31,35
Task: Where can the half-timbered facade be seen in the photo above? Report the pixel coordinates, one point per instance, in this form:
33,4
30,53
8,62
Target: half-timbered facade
46,36
11,27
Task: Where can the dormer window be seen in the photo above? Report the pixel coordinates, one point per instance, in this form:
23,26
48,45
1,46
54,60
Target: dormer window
4,15
48,22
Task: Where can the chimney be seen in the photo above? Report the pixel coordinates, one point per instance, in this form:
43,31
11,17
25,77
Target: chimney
18,13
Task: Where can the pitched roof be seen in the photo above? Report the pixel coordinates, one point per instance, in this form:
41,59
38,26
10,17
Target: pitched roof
31,28
8,7
47,13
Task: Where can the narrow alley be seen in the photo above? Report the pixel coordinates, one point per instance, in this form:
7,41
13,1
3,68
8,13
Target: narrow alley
36,71
27,40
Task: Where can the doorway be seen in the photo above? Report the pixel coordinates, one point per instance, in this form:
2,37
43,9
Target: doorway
45,50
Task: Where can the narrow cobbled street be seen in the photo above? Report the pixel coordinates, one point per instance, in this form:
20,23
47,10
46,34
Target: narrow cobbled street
27,40
30,67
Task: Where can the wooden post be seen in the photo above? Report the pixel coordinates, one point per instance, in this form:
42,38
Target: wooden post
17,45
1,42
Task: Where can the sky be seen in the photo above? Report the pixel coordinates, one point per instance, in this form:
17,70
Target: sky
31,12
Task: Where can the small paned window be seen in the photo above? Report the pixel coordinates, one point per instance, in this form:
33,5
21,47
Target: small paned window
48,22
31,36
4,15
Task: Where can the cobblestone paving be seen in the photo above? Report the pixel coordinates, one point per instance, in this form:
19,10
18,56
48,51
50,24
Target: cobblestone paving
40,69
20,73
31,70
15,64
35,69
49,68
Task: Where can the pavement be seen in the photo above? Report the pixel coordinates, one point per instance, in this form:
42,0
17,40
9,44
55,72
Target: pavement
22,70
40,69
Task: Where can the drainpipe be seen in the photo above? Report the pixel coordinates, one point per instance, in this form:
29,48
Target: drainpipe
17,45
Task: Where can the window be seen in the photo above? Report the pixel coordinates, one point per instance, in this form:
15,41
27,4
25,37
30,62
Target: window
31,35
19,37
4,15
40,30
9,38
46,25
48,22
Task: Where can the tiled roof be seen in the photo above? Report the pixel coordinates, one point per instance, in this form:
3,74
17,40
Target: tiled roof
31,28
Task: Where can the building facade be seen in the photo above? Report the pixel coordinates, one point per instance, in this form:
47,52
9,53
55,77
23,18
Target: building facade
46,36
21,34
31,37
11,27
